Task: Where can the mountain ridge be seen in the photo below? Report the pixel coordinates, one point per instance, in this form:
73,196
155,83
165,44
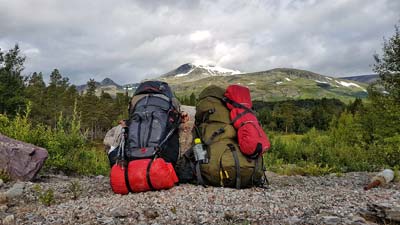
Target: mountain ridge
272,85
368,78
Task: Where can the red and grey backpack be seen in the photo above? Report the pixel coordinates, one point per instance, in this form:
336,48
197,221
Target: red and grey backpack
151,143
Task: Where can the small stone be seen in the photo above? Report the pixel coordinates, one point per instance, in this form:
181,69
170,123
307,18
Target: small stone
16,190
357,220
151,213
119,212
9,220
99,177
134,215
1,182
3,208
106,220
331,220
293,220
3,198
228,215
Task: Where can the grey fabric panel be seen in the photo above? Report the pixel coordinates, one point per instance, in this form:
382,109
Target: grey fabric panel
149,121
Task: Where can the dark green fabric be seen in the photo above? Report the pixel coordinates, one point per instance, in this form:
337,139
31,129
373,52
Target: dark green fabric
211,116
212,90
221,158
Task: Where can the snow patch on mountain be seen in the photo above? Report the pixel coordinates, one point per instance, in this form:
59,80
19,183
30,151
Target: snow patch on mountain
217,69
211,69
349,84
184,74
321,82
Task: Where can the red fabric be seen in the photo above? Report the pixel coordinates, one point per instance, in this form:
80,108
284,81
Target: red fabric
117,180
250,133
239,94
162,176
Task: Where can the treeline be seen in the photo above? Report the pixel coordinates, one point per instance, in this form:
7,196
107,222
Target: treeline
57,99
299,116
187,100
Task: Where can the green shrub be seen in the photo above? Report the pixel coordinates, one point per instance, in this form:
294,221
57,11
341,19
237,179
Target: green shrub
302,169
342,147
5,176
69,151
75,188
46,197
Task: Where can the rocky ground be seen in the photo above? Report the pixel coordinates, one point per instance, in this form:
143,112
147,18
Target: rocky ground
288,200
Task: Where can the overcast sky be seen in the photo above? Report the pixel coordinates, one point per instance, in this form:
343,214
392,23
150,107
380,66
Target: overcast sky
132,40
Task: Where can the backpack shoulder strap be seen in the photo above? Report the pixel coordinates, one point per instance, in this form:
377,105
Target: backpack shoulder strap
237,164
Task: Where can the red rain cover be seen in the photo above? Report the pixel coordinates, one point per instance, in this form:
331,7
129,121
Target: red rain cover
250,133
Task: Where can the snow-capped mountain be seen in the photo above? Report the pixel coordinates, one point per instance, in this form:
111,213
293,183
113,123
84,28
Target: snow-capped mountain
194,71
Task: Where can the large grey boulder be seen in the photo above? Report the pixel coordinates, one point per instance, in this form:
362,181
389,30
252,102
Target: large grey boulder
22,161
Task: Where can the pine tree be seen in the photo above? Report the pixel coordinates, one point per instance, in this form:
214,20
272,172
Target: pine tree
11,81
54,97
89,109
388,66
192,99
35,92
381,117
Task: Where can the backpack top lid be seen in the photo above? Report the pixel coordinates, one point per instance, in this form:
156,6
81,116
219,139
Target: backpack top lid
212,91
154,87
239,94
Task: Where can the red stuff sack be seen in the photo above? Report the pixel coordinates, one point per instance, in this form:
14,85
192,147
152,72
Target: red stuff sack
251,137
143,175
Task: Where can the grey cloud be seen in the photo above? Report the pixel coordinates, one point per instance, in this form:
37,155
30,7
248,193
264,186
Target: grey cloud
133,40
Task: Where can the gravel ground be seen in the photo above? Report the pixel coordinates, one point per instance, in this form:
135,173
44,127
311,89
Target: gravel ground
288,200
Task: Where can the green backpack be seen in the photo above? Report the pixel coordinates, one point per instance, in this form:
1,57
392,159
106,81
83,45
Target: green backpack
226,166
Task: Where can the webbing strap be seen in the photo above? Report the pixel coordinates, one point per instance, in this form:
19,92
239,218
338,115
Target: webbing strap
237,164
214,135
255,170
236,104
148,175
176,126
257,152
200,180
240,115
264,170
128,185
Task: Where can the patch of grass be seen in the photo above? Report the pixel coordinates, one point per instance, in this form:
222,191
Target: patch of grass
396,171
5,176
302,169
46,197
75,188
